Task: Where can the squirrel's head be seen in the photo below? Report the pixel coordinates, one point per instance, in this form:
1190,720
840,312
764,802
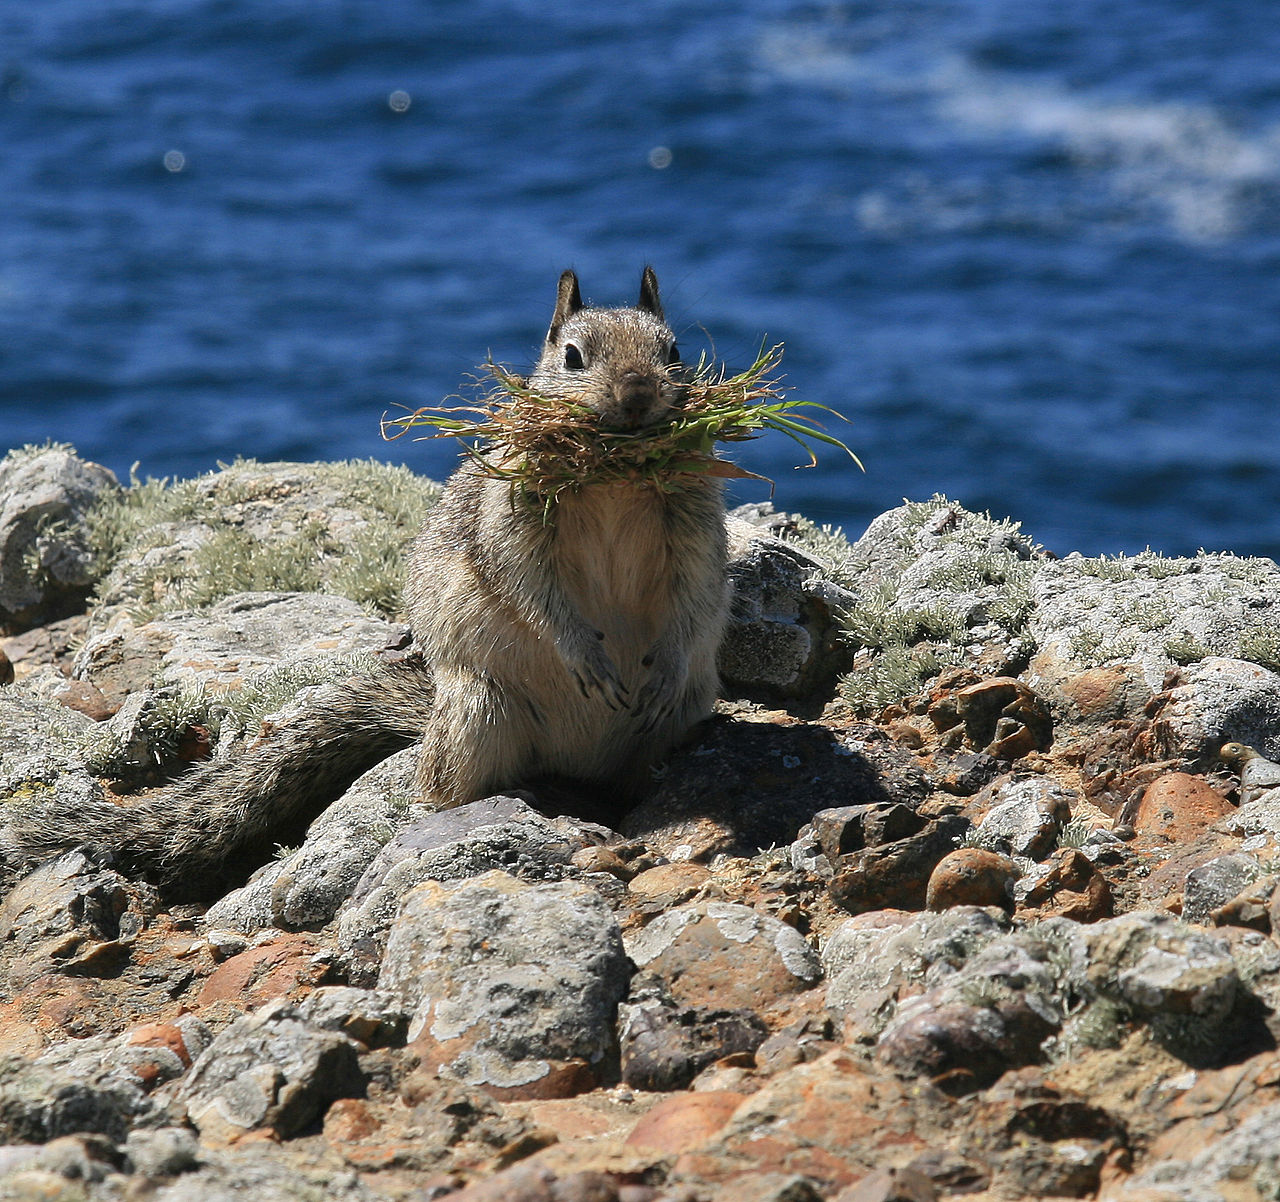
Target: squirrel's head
623,363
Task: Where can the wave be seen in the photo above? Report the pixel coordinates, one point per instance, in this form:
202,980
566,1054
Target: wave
1185,166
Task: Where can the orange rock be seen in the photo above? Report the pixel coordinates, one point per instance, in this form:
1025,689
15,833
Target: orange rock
971,876
683,1121
270,970
1178,807
348,1120
161,1035
669,884
1073,888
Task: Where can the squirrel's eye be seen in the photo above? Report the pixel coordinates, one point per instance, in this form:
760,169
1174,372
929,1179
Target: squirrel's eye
673,355
573,357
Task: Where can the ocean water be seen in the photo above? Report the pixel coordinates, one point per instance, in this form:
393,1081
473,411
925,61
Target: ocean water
1030,250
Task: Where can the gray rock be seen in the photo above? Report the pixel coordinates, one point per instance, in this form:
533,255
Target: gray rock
783,641
496,833
871,958
1159,967
227,643
163,1152
39,1103
43,741
992,1015
1223,700
72,916
269,1069
304,889
1215,883
120,1062
1153,611
506,978
47,562
372,1018
969,574
263,1174
1258,817
326,527
1027,816
1247,1158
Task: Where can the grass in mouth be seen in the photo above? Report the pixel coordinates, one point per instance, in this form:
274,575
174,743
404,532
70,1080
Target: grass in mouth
545,445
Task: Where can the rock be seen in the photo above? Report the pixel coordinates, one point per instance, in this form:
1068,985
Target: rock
664,1045
718,955
369,1017
895,873
1247,1158
1004,718
876,957
1258,817
497,833
71,916
304,889
783,643
163,1152
831,1121
277,966
44,748
513,986
268,1070
1066,885
992,1015
1251,907
48,563
225,645
1217,701
742,786
337,528
1181,979
890,1185
1025,816
1177,807
1148,610
1216,883
972,876
39,1103
141,1058
683,1122
1257,773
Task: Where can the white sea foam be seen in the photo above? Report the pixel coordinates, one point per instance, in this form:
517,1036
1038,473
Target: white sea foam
1180,163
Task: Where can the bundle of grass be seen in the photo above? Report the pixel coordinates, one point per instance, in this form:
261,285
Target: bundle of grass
545,445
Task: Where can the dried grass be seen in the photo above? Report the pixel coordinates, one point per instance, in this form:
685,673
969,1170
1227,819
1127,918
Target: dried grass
545,445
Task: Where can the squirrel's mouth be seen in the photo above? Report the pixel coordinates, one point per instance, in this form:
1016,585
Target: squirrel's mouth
640,399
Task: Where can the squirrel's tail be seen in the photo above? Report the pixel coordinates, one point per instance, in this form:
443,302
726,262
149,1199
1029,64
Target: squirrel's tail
221,821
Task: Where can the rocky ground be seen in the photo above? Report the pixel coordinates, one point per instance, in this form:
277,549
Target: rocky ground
968,890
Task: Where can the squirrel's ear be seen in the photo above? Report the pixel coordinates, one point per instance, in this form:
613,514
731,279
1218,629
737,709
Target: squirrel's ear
649,294
568,302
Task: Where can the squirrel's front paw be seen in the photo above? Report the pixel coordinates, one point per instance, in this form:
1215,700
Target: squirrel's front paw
662,692
596,674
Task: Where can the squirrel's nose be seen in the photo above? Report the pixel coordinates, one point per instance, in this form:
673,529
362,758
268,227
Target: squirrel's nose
638,393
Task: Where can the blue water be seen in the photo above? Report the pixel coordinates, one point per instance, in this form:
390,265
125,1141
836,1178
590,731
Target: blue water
1032,250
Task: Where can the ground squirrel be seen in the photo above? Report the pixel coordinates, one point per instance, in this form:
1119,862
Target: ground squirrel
577,640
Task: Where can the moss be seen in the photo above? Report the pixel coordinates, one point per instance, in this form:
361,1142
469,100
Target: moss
829,544
894,675
1075,833
392,501
1261,645
1185,648
31,450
